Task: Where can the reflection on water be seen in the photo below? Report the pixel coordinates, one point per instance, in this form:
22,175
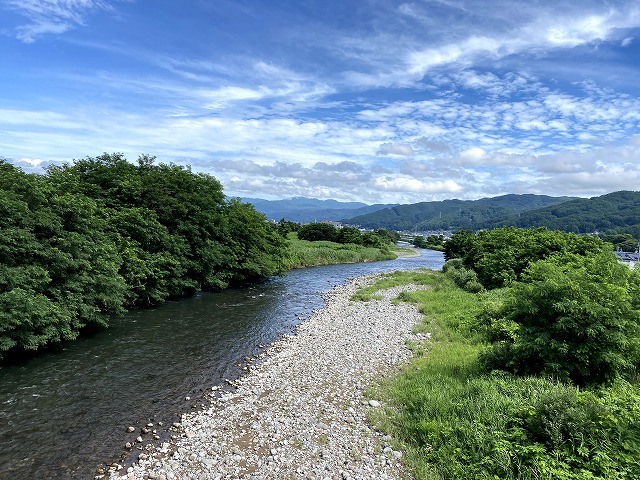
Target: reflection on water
65,411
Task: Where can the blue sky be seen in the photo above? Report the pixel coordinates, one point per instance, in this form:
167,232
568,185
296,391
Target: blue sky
376,101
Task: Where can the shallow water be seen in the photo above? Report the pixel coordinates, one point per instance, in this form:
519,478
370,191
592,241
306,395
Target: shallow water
65,412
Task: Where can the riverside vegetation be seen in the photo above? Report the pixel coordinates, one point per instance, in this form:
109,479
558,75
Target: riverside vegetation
91,239
532,368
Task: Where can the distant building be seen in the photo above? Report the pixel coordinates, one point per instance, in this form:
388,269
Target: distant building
630,258
332,222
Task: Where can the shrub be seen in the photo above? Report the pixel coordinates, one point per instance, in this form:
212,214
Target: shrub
453,264
465,279
577,320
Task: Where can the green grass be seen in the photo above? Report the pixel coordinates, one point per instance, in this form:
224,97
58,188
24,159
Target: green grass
456,421
303,253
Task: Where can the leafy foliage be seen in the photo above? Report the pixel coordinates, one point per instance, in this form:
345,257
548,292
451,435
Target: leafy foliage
318,231
500,256
321,231
577,319
433,242
89,239
455,420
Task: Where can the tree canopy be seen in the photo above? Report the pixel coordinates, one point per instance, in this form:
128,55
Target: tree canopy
92,238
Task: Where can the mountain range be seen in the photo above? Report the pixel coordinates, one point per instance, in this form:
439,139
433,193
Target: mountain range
613,212
304,210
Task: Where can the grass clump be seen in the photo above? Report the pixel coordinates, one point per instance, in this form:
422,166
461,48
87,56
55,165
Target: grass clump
305,253
455,419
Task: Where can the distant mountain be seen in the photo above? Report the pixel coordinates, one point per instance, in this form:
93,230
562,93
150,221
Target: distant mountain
617,211
455,214
614,212
301,209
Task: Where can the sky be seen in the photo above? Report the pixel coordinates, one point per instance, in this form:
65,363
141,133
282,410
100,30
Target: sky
376,101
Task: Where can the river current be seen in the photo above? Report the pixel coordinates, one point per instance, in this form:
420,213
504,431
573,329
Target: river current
65,412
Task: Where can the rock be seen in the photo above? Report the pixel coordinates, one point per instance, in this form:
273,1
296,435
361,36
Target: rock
301,411
139,439
130,429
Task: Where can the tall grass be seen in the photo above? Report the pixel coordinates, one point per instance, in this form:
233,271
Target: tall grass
456,421
303,253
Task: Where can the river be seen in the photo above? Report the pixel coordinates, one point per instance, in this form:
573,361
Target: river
65,412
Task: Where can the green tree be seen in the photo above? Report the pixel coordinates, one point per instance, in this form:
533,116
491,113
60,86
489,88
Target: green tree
285,227
349,235
500,256
318,231
258,249
577,319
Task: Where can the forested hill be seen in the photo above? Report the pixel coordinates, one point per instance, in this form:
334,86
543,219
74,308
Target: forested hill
305,210
618,211
455,214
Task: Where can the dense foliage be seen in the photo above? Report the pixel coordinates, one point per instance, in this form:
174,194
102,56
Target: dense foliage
571,310
574,318
87,240
455,419
322,231
500,256
433,242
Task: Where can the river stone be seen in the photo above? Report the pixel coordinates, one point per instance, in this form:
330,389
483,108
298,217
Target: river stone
301,411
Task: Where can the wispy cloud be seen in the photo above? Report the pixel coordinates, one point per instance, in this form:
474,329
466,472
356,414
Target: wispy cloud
52,16
381,101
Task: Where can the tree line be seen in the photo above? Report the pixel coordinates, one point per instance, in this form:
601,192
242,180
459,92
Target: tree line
91,239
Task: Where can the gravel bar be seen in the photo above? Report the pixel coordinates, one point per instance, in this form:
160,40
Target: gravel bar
300,413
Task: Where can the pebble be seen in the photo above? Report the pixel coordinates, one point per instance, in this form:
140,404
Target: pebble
300,412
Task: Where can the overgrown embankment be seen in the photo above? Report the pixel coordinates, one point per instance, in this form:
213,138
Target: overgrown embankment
536,379
305,253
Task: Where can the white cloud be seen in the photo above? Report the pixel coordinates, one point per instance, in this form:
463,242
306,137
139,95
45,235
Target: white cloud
473,155
626,42
52,16
414,185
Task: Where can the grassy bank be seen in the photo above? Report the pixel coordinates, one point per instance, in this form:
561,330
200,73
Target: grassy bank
303,253
454,420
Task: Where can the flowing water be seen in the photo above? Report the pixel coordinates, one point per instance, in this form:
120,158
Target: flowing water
65,412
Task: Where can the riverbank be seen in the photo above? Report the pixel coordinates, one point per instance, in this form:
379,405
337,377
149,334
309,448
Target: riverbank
302,412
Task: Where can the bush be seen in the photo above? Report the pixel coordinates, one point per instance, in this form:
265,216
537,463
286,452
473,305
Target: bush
453,264
318,231
465,279
576,320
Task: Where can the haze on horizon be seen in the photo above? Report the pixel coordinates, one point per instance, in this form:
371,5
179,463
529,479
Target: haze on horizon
375,101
